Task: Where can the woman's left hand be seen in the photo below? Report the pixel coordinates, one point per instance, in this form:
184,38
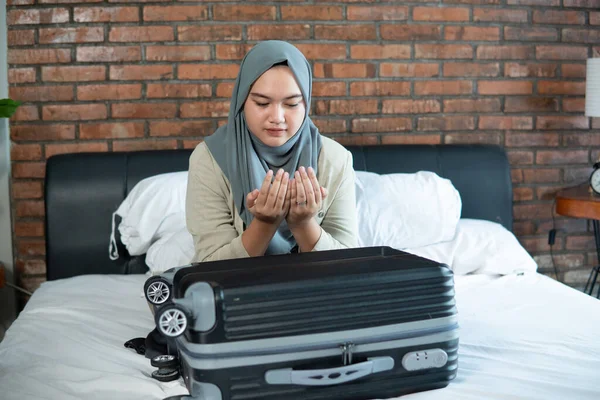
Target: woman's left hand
306,197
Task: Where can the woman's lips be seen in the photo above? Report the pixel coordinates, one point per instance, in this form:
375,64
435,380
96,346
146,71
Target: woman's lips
276,132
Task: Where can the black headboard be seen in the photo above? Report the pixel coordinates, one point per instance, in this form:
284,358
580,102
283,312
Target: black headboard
83,190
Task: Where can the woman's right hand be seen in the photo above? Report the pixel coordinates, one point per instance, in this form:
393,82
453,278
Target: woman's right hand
271,203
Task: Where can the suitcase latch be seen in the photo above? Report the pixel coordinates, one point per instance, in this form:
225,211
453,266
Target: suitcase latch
347,349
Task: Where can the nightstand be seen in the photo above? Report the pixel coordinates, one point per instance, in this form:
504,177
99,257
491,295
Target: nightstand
581,202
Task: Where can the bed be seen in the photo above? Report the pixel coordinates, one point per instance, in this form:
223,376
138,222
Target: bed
522,336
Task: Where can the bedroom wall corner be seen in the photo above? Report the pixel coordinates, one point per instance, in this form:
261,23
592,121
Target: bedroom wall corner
7,296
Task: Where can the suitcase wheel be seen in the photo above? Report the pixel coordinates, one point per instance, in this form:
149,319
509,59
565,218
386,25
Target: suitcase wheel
164,361
171,320
166,374
157,290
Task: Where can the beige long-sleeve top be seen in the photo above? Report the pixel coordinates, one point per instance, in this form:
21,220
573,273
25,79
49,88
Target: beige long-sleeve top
216,226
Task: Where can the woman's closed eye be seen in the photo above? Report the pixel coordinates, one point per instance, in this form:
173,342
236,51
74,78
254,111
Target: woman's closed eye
287,105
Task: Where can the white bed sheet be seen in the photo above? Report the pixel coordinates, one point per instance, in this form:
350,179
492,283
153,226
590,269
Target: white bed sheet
521,337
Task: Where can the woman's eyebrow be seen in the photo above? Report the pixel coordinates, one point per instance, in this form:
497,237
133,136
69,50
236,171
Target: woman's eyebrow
268,98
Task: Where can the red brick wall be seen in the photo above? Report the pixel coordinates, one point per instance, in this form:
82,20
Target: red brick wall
127,75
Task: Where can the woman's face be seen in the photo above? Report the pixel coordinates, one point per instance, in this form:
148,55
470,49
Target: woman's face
275,108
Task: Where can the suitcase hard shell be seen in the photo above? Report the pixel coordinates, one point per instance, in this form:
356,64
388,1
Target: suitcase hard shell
342,324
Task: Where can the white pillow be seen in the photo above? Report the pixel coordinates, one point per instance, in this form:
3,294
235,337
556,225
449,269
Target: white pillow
405,210
480,247
171,250
145,210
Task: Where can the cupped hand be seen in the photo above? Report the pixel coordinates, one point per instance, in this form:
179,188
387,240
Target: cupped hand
306,197
271,203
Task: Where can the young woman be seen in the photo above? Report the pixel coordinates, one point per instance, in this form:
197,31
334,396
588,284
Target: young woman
267,182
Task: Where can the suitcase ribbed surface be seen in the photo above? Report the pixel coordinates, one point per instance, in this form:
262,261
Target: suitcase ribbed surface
335,304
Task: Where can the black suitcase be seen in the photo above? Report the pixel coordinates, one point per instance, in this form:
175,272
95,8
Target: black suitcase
354,324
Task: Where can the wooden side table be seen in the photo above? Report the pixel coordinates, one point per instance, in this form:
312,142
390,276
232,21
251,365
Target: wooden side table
581,202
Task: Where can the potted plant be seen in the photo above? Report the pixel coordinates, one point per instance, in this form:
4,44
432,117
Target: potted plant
8,107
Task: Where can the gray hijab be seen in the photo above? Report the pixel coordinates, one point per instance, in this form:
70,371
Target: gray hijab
243,158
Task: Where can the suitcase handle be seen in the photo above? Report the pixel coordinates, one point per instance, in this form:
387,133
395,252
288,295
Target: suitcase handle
330,376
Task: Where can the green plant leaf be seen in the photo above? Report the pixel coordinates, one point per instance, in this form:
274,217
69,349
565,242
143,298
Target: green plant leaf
8,107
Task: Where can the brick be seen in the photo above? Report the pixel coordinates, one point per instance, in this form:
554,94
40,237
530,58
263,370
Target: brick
443,87
26,113
410,32
472,33
42,132
470,138
566,225
532,139
376,125
377,13
328,125
74,73
225,89
385,51
42,93
534,245
141,34
30,248
27,190
20,37
523,228
119,130
411,139
175,13
531,211
210,33
595,18
141,72
191,144
581,36
346,70
29,229
582,3
67,1
576,174
71,35
520,157
346,32
186,128
530,104
21,75
471,105
450,14
53,149
356,140
572,70
323,51
177,53
410,106
147,144
444,51
37,16
106,14
244,13
208,71
30,208
326,89
561,87
74,112
480,2
536,34
20,2
505,123
553,17
561,53
561,156
522,194
504,87
25,152
109,92
545,3
516,175
231,51
420,70
471,69
213,109
379,88
144,110
31,284
175,90
279,32
109,54
453,123
561,122
39,56
504,52
579,140
346,107
519,70
499,15
573,105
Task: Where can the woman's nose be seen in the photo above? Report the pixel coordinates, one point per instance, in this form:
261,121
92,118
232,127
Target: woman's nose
277,114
